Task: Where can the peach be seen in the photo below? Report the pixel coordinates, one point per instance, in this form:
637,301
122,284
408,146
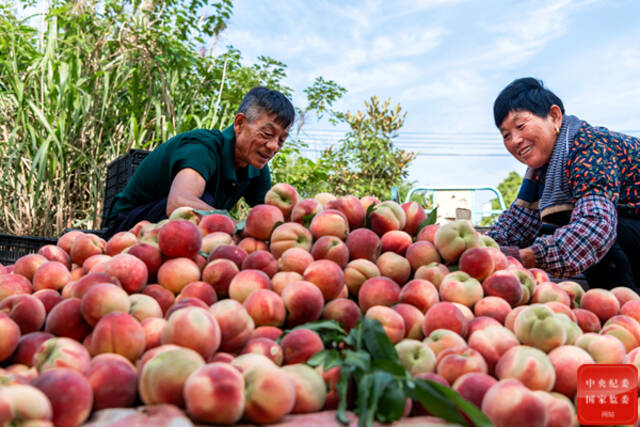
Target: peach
530,366
261,221
265,307
183,303
415,356
331,248
494,307
601,302
344,311
327,276
66,240
549,291
179,238
364,243
415,216
102,299
473,386
246,282
66,320
230,252
587,320
13,284
295,259
118,333
72,407
27,265
56,253
143,306
357,272
624,294
269,394
492,343
561,308
236,326
566,360
504,284
466,311
455,362
186,213
261,260
222,357
633,358
153,327
300,345
461,288
397,241
26,310
27,345
391,321
113,380
482,322
61,353
309,385
413,320
283,196
48,297
571,328
395,267
433,272
95,263
149,233
163,296
445,315
195,328
453,238
303,301
51,275
84,246
270,332
266,347
625,328
214,393
287,236
420,293
574,290
219,273
329,222
378,291
9,336
560,409
427,233
176,273
216,223
119,242
421,253
367,201
631,308
201,290
282,279
324,198
212,241
387,216
510,320
164,375
22,404
246,361
602,348
477,263
509,403
305,210
249,245
537,326
499,259
352,209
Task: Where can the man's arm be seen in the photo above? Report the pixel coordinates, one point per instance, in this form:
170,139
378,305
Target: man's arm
186,189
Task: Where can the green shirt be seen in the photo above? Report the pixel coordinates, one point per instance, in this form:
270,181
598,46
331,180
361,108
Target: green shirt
211,154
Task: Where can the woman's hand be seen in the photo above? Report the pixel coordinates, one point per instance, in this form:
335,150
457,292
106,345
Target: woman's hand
527,257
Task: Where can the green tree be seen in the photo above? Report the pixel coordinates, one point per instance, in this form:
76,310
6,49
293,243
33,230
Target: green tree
508,188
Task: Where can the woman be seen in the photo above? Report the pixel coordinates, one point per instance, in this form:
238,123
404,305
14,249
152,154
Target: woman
581,179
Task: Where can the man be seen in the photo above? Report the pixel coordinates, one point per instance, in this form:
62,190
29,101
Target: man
208,169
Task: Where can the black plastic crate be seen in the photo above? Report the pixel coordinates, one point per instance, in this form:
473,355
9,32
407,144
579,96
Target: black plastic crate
118,174
13,247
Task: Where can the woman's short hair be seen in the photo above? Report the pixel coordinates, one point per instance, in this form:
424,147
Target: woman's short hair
525,93
263,100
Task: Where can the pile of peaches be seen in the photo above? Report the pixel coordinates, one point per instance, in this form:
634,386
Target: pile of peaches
202,319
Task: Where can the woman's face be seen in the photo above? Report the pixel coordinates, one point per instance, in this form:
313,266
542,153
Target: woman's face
531,138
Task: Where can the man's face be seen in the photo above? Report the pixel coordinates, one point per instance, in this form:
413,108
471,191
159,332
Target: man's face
258,141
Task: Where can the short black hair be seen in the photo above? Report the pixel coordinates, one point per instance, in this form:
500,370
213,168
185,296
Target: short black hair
263,100
526,93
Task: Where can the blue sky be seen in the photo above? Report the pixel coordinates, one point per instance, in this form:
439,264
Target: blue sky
445,61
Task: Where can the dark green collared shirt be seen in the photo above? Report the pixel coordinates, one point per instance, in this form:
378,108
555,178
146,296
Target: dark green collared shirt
211,154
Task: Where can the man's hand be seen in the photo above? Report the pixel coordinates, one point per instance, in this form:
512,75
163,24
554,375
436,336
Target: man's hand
186,189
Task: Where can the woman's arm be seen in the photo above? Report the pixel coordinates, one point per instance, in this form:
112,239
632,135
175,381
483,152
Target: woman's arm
517,226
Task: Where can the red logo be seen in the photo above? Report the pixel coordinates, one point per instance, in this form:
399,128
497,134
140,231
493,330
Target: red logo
607,394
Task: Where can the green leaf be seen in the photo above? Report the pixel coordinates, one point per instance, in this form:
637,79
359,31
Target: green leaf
368,215
342,389
358,359
391,366
391,404
430,219
377,342
214,211
380,382
472,411
425,392
321,326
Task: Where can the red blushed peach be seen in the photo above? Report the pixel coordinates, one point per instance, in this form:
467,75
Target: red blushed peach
397,241
357,272
420,293
185,213
331,248
72,407
415,216
149,254
558,307
540,275
119,242
504,284
270,332
295,259
538,327
499,259
183,303
303,301
324,198
176,273
23,404
445,315
560,409
509,403
283,196
250,245
305,210
102,299
422,253
473,386
549,291
367,201
482,322
455,362
395,267
61,353
494,307
130,271
261,260
587,320
222,357
601,302
9,336
153,327
236,326
49,298
261,221
93,261
433,272
344,311
214,394
530,366
163,296
26,310
56,253
364,243
311,391
466,311
282,279
195,328
164,375
118,333
391,321
492,342
477,263
84,246
150,354
230,252
219,273
269,394
427,233
287,236
179,238
143,306
625,328
265,307
51,275
27,265
329,222
602,348
327,276
351,207
113,380
79,287
66,320
566,360
246,361
453,238
201,290
574,290
631,308
28,344
442,339
300,345
13,284
459,287
624,294
266,347
66,240
387,216
413,320
216,223
378,291
246,282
